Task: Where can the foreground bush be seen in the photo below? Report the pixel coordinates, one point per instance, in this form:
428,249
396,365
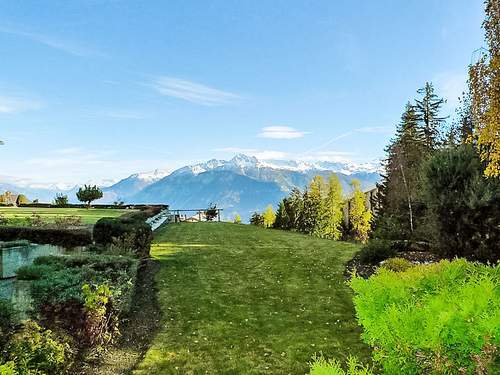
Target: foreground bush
34,350
321,366
442,318
84,294
6,320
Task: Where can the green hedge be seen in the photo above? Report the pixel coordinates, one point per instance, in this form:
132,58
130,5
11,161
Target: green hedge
442,318
132,230
53,236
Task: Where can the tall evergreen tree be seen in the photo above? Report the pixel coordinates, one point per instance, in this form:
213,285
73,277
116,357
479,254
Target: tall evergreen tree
427,109
398,191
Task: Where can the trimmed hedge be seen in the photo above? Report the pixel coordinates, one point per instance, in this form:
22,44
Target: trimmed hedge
52,236
131,229
108,206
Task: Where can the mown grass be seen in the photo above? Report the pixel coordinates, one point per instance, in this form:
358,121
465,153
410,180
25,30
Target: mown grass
237,299
19,215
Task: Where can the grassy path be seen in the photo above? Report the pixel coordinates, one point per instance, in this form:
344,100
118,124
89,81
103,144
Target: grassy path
237,299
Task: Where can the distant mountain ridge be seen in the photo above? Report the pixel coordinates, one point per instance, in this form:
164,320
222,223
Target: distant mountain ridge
241,185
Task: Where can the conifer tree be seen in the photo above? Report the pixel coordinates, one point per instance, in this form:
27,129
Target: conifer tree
398,191
427,109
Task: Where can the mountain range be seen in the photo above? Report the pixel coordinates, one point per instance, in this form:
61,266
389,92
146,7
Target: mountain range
241,185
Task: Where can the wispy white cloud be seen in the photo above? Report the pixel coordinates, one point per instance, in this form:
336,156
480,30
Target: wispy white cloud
259,154
281,132
54,42
13,105
193,92
366,129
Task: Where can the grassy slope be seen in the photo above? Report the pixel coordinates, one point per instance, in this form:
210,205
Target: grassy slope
238,299
89,216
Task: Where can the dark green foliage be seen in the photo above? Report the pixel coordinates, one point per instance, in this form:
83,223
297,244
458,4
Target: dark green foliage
134,229
427,109
211,212
57,283
61,200
442,318
377,250
289,209
33,272
463,205
88,194
7,314
53,236
257,219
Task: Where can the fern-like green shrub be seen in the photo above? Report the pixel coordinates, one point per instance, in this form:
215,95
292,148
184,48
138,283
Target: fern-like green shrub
442,318
322,366
37,351
397,264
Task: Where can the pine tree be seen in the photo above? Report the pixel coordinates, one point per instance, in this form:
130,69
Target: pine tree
331,212
359,215
427,110
269,217
398,191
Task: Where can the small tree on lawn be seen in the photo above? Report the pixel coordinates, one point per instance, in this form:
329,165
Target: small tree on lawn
257,219
211,212
359,215
88,194
22,199
237,219
61,200
269,217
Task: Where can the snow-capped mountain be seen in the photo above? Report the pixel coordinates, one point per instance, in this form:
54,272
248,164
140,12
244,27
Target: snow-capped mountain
242,184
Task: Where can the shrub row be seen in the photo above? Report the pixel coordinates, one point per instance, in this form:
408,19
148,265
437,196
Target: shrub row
127,231
442,318
53,236
102,206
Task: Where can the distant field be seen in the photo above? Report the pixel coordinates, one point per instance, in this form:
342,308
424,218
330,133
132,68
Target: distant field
19,215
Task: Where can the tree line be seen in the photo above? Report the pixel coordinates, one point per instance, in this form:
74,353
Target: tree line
319,210
441,184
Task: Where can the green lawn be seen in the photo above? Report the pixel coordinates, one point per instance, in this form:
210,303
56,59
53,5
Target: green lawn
237,299
18,215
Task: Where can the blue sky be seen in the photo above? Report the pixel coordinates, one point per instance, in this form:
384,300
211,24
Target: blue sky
101,89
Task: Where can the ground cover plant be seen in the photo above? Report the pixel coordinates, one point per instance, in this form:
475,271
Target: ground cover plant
239,299
21,215
84,294
442,318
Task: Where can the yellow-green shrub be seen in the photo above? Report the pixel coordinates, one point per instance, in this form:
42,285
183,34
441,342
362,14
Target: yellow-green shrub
397,264
442,318
322,366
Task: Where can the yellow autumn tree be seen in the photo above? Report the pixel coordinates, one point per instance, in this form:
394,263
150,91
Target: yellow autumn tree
269,217
484,87
331,210
359,216
237,219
